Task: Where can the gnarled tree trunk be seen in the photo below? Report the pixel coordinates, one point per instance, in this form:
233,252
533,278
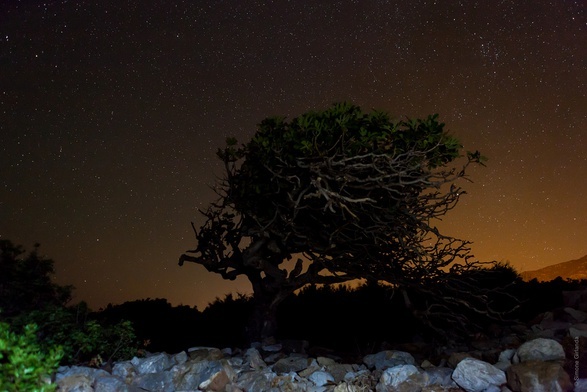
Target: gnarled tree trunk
268,294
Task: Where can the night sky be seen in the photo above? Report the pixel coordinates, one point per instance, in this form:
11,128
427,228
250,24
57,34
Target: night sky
111,112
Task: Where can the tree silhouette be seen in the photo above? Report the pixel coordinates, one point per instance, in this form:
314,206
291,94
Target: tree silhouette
347,194
26,281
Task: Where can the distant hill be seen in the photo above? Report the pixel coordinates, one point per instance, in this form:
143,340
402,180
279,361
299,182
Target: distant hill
574,269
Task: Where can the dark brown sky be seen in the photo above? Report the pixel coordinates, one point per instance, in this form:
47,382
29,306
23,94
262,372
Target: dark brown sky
111,111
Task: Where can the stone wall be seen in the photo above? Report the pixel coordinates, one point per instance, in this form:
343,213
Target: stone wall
549,354
536,365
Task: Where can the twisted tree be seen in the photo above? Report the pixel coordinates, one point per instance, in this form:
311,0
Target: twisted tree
347,194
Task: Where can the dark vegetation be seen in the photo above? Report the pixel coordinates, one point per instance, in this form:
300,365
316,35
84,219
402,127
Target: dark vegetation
39,331
351,321
29,297
348,320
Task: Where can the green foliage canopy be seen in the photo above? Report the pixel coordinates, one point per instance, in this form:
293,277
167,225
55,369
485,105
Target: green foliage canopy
332,182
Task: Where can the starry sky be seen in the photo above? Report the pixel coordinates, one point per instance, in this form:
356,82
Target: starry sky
111,112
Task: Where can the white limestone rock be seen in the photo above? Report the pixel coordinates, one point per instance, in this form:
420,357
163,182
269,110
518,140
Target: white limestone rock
401,378
541,350
474,375
153,364
321,378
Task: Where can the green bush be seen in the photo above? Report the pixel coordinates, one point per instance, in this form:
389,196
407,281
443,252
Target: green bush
29,296
24,364
83,341
102,343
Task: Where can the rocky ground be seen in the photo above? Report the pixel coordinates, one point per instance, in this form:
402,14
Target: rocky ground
547,354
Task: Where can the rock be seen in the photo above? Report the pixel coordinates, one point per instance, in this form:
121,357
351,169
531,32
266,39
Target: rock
205,353
340,370
490,355
154,364
538,377
261,380
401,378
344,387
510,341
389,358
312,367
539,366
290,364
125,370
576,314
291,382
325,361
557,326
363,379
575,299
323,352
236,362
272,348
539,332
217,381
455,358
113,384
436,388
180,358
507,355
502,365
541,350
581,385
474,375
76,383
505,359
161,382
91,373
440,376
519,329
253,359
272,358
578,330
426,364
321,378
209,375
83,379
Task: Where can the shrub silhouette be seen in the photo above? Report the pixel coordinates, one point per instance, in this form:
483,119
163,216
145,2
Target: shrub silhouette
349,320
345,319
226,320
164,327
25,281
